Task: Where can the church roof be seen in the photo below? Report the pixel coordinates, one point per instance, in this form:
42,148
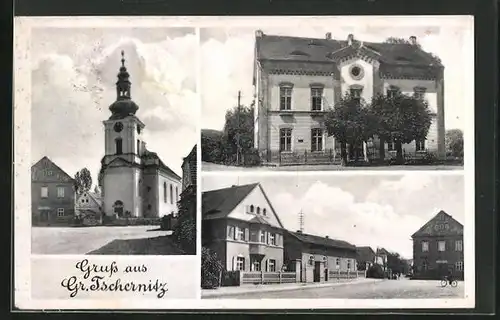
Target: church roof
162,166
322,241
396,59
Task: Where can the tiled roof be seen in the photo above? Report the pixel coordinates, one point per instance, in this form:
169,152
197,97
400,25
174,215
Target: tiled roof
455,227
153,155
71,179
220,203
408,58
322,241
365,253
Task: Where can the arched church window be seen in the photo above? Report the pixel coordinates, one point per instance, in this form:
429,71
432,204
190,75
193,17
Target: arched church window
118,143
118,208
165,192
251,208
171,194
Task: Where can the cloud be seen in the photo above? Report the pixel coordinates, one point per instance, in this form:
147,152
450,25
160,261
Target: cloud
330,210
73,84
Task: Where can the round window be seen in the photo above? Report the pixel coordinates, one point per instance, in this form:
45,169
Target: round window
356,72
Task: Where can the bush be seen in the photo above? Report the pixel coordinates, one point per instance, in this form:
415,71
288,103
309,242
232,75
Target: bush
375,272
252,158
185,228
211,269
211,146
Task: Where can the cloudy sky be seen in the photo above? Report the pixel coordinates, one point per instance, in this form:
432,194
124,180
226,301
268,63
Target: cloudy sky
73,84
227,57
368,210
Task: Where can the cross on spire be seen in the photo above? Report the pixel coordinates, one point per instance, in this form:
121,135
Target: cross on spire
123,58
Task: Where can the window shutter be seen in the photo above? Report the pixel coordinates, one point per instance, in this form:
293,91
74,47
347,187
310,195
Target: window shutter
246,234
233,265
267,238
230,232
267,265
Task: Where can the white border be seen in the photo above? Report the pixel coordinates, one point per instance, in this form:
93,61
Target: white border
22,162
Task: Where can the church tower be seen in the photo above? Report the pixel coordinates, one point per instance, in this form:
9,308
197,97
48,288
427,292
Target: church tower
121,175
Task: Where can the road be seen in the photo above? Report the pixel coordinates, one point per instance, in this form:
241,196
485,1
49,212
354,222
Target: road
207,167
385,289
99,240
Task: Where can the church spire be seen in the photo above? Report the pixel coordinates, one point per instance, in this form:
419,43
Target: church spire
123,83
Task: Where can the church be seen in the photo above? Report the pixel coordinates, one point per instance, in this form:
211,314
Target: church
134,181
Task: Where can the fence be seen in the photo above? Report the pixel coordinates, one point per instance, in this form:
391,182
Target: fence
236,278
334,274
327,156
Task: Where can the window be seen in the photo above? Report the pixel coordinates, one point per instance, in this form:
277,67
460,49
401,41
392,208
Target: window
420,145
391,146
60,212
138,147
337,263
44,192
285,98
459,266
240,234
425,246
230,232
271,265
419,92
149,207
264,211
285,139
118,208
311,260
118,143
263,237
424,265
256,265
348,264
164,192
356,93
458,245
392,91
316,99
60,192
240,263
252,208
258,210
272,239
316,140
171,194
441,246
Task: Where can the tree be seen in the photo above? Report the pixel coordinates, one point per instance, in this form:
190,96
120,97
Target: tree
350,122
211,269
238,133
396,263
211,145
97,190
83,181
455,142
400,118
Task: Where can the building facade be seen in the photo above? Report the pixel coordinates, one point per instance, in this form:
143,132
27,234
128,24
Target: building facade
88,208
438,248
316,259
297,80
134,181
189,170
365,257
52,195
240,225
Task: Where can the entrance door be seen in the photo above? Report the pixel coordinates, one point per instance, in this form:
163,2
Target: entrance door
317,271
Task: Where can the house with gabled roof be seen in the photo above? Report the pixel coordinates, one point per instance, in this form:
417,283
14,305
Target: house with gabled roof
365,257
241,226
438,248
317,259
52,194
297,80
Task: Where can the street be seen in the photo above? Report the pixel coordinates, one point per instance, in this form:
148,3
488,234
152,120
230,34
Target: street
384,289
207,166
101,240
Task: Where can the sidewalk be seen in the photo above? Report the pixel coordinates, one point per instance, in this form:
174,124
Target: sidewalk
228,291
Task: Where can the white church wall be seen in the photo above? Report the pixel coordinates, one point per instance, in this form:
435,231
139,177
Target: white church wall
168,204
119,184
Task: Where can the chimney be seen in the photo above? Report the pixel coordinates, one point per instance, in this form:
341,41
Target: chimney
413,40
328,36
259,34
350,39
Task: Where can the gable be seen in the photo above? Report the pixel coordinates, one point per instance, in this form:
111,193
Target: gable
47,171
87,201
257,199
220,203
441,225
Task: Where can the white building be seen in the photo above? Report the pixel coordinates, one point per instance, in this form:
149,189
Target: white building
134,181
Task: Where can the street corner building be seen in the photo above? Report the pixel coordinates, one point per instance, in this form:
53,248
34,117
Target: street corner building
134,181
52,194
438,248
318,259
297,80
240,225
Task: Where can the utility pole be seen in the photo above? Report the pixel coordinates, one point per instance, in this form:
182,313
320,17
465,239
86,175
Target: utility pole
238,130
301,221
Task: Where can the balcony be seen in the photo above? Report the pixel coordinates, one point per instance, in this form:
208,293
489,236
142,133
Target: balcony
257,248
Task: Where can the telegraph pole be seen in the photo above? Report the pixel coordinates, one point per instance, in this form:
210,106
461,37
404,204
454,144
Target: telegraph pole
238,130
301,221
